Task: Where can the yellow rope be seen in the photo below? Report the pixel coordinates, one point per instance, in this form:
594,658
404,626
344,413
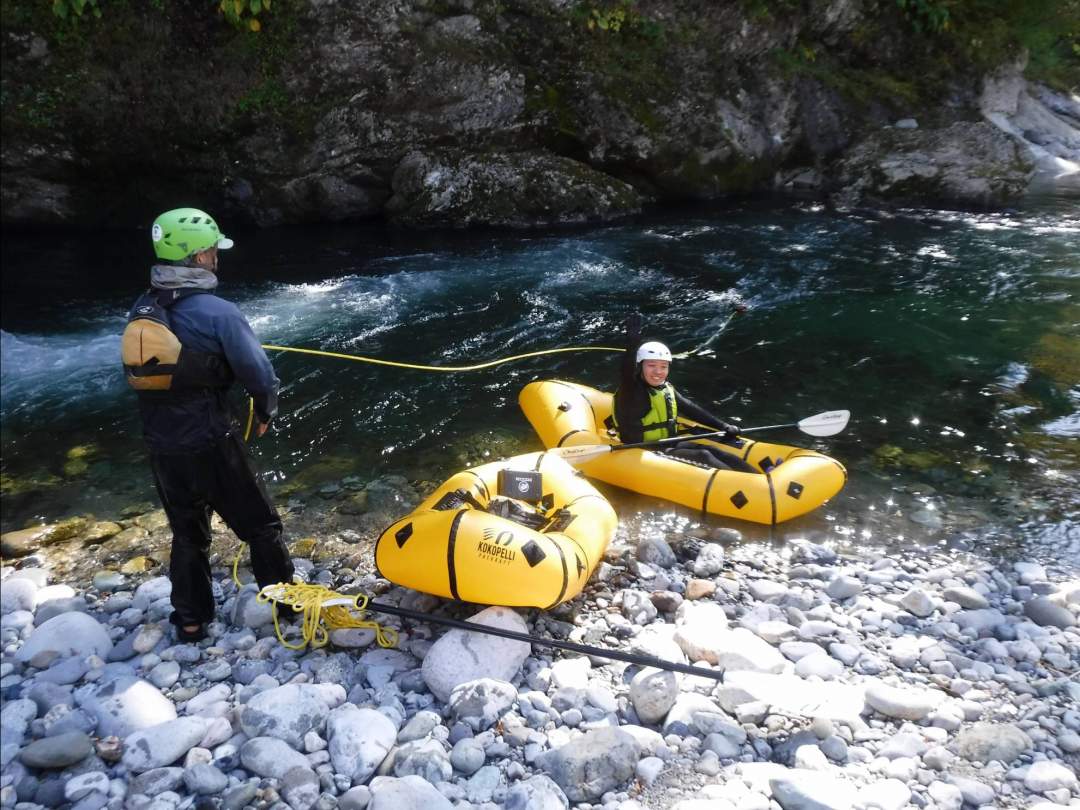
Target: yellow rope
250,419
318,618
419,367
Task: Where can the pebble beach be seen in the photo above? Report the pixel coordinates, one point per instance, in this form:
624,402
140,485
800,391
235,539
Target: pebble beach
923,679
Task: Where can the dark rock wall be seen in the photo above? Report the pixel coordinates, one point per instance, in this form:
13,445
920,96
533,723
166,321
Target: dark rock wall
435,112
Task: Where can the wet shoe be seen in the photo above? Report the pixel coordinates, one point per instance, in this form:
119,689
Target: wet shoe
187,636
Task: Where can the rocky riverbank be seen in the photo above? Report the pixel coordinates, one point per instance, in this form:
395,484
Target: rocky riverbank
925,681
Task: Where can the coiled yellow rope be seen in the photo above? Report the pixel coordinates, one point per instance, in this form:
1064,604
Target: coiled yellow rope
319,618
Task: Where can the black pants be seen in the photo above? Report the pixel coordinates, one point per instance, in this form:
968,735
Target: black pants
710,456
219,479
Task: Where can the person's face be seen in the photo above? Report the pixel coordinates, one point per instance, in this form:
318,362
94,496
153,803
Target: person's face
654,372
207,259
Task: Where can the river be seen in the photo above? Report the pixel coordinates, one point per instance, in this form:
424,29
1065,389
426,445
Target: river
954,339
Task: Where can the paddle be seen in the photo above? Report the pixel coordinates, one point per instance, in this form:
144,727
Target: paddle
828,423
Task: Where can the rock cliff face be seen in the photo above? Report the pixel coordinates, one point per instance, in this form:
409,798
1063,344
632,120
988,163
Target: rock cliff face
459,112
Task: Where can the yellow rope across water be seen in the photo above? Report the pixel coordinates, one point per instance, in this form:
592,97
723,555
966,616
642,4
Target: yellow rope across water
419,366
448,369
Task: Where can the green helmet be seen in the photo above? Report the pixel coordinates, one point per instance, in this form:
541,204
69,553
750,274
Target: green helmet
182,232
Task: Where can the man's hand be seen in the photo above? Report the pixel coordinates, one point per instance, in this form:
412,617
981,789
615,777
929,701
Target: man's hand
260,428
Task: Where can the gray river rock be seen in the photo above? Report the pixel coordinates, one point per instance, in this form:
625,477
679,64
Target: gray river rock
406,793
57,752
873,707
72,633
359,740
587,768
127,704
163,744
984,742
287,712
1047,613
459,657
269,756
800,789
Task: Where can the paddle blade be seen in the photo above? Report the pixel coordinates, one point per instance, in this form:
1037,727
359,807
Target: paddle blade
581,453
825,424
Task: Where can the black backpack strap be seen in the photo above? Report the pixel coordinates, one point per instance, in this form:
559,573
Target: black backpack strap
166,298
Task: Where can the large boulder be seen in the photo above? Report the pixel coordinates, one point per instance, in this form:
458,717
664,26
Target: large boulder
406,793
801,789
271,757
452,187
127,704
902,703
480,703
287,712
163,744
588,767
793,695
73,633
986,742
968,163
359,740
460,656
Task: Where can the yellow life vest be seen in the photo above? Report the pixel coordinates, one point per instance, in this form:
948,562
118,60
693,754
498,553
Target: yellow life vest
662,413
661,416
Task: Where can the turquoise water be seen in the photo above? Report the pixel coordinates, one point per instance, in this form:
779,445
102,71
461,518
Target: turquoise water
954,338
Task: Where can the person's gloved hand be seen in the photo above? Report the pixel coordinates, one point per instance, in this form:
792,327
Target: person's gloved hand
730,431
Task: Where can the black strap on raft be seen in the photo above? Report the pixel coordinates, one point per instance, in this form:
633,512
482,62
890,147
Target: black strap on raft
584,649
512,510
456,499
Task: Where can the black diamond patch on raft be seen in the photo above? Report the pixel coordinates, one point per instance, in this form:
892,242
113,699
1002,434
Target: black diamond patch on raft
403,534
580,565
533,553
795,489
739,499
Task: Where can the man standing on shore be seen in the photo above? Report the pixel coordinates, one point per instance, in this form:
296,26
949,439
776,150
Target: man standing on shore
183,349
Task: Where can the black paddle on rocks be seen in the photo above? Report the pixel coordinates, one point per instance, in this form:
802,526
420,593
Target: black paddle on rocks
584,649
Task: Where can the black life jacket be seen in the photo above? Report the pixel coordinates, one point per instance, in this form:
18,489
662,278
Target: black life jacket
153,357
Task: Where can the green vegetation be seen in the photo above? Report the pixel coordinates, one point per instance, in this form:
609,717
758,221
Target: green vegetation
241,13
65,9
620,16
927,15
950,39
861,85
245,13
629,56
986,33
269,96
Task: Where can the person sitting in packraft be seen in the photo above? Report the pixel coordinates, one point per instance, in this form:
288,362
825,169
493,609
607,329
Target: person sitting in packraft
647,406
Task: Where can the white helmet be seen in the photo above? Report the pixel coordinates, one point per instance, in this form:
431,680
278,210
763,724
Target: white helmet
653,351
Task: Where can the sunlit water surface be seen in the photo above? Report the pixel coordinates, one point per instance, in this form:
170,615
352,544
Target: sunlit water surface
954,339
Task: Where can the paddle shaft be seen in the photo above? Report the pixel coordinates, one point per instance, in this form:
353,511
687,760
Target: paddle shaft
690,436
584,649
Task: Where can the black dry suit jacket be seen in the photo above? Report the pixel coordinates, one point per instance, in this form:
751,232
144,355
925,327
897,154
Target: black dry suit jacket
185,421
632,398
